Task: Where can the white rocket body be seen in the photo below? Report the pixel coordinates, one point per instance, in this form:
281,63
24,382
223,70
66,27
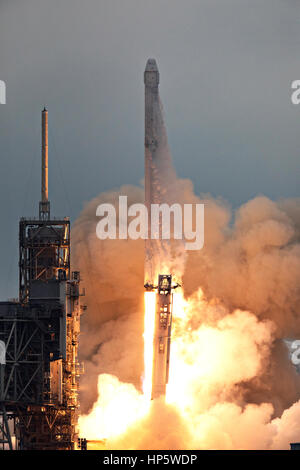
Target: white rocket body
158,170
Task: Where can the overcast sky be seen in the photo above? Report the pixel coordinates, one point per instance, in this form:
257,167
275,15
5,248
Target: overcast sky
226,69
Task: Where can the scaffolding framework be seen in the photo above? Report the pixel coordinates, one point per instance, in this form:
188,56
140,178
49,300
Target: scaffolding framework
39,370
44,253
39,380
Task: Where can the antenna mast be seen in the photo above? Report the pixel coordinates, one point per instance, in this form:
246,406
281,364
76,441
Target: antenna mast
44,211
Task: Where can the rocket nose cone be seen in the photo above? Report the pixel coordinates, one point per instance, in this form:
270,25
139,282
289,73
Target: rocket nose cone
151,66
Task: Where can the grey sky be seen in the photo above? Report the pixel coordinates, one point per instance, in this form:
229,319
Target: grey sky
226,68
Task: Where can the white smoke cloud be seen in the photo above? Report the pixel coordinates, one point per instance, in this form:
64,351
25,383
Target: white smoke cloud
236,386
231,384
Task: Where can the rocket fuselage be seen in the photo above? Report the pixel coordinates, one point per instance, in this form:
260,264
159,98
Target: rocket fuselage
151,80
162,336
153,248
152,133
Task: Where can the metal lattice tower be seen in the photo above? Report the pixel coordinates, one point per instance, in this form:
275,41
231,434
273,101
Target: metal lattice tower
39,333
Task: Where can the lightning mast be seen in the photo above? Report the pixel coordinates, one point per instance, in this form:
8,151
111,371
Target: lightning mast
44,211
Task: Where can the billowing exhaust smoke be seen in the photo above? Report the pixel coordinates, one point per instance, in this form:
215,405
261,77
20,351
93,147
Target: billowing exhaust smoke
231,382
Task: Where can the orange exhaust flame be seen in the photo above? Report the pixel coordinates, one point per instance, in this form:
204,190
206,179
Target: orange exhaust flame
149,325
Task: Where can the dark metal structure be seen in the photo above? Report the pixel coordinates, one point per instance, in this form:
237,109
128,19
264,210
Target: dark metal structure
39,368
162,335
162,332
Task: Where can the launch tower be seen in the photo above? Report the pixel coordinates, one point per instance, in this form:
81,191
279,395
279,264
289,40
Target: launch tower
39,368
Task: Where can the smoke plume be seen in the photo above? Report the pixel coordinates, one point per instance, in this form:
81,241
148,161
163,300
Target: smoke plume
231,383
234,385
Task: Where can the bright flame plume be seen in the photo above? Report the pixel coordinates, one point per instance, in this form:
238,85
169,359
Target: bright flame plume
149,325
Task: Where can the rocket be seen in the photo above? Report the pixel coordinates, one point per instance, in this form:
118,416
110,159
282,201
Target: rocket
156,169
162,335
160,176
152,133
